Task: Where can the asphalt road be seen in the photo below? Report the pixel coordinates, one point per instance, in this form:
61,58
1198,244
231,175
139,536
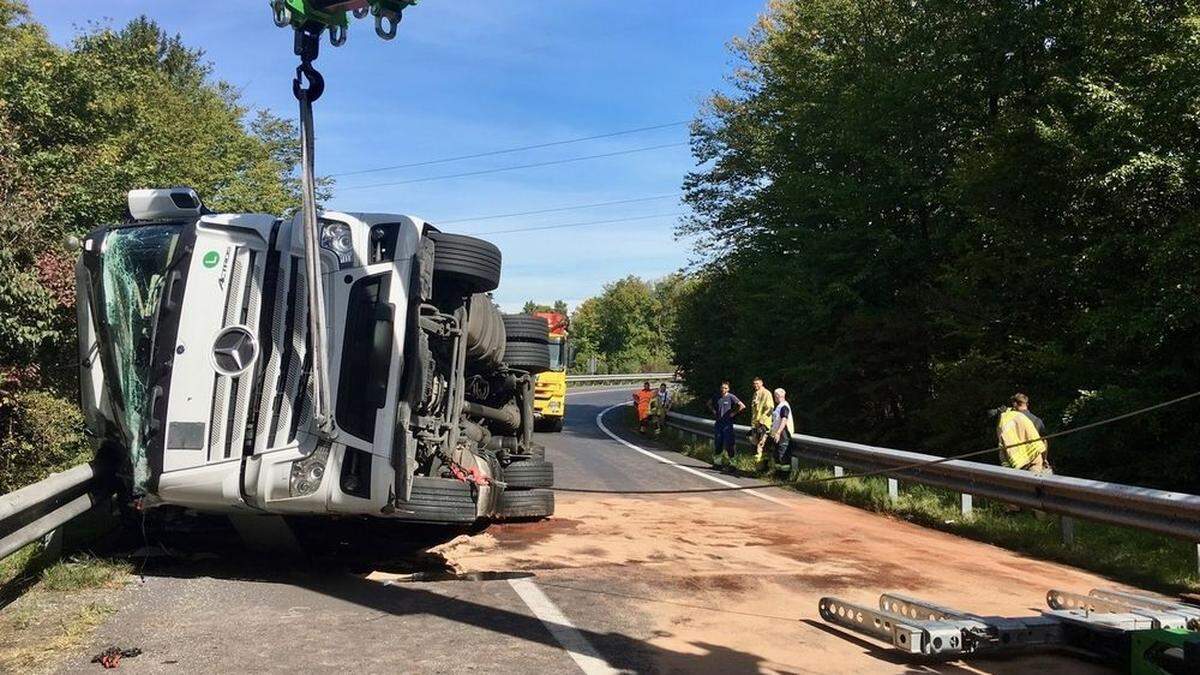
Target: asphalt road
710,582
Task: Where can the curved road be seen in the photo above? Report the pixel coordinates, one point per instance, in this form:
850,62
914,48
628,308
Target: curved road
713,582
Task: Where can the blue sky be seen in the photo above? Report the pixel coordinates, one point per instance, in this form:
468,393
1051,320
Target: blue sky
471,76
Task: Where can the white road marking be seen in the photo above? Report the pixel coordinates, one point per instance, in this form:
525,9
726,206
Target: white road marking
664,460
581,651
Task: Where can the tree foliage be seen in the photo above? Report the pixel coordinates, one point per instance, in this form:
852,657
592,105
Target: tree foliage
911,210
559,306
79,127
626,328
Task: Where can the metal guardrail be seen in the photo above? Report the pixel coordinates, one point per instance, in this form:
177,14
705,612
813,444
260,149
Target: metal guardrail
1171,513
34,511
618,378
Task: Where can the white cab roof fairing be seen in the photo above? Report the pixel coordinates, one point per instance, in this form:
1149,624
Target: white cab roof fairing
257,223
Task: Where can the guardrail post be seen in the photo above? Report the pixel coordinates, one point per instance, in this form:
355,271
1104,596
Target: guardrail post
966,503
1067,525
893,489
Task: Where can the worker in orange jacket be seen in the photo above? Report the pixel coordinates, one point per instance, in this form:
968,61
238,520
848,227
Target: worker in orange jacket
641,400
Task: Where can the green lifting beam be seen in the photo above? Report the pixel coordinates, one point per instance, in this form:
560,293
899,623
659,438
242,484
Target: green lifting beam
315,16
1164,652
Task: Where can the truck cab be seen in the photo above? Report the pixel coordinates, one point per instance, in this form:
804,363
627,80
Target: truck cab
550,388
197,364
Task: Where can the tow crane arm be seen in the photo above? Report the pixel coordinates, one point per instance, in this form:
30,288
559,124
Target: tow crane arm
309,19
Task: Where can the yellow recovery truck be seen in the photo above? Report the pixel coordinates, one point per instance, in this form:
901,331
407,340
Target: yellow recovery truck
550,388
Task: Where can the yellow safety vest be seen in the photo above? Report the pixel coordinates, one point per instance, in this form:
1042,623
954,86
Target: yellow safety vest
1021,439
760,413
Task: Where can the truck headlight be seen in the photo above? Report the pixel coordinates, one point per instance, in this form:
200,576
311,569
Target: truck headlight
335,236
308,472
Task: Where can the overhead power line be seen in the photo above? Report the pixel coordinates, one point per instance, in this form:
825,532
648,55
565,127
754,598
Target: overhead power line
501,169
493,153
561,226
555,209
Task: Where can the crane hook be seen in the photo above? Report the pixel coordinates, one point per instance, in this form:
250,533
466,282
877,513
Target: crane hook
316,83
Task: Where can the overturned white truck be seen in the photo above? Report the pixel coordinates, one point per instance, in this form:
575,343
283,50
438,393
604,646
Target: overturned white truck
201,374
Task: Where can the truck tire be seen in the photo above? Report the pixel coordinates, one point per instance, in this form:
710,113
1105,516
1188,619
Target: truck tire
485,333
439,500
554,425
472,263
529,473
526,328
532,357
525,505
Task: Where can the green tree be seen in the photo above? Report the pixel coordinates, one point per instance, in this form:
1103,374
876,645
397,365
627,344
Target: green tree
910,212
79,127
559,306
626,327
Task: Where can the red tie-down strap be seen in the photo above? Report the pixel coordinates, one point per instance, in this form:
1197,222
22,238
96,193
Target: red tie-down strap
471,475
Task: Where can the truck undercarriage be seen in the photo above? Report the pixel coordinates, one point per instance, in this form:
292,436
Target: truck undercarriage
197,363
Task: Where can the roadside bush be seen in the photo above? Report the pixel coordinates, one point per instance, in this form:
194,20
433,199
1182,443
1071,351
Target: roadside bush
40,433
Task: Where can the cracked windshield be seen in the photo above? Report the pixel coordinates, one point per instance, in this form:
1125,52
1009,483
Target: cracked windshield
134,262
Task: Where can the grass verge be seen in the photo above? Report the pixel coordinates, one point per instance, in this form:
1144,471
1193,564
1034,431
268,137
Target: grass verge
50,607
1132,556
85,572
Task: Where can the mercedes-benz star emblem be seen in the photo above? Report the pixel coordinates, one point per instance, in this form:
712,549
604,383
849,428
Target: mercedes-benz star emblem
234,350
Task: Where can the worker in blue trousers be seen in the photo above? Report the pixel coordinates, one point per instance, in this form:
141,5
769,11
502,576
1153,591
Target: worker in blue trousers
724,407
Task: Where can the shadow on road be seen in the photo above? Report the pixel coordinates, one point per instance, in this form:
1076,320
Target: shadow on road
416,598
621,651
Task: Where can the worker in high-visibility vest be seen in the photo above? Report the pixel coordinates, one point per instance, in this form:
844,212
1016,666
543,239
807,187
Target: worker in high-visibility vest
641,402
760,417
1022,447
660,405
